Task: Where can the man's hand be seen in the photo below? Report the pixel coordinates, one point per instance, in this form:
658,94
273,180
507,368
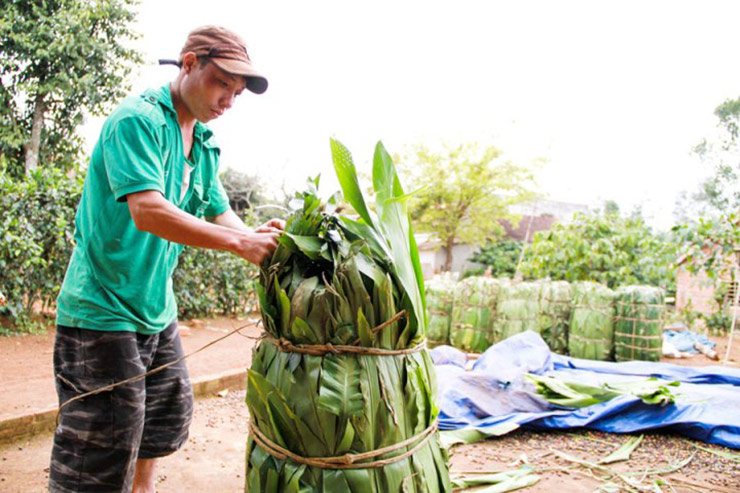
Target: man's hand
256,246
271,225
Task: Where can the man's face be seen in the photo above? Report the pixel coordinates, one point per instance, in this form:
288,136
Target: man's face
209,91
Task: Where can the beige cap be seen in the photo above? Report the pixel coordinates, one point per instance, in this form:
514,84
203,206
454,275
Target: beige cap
227,51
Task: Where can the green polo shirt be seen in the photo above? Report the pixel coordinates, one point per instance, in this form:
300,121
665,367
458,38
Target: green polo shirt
120,278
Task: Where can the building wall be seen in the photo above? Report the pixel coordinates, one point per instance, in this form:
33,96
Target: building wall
696,291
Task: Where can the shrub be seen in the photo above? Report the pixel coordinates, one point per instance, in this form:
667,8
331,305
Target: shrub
36,239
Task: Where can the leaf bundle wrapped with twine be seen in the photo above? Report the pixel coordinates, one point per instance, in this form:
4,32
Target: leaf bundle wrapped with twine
474,313
555,310
517,310
591,334
341,388
440,301
638,323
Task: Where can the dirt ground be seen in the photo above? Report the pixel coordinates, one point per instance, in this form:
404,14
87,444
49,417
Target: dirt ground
213,458
26,362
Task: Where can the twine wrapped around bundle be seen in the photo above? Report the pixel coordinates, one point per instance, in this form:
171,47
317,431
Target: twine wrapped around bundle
638,323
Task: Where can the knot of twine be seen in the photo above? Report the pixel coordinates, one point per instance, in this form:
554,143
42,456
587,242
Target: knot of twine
345,461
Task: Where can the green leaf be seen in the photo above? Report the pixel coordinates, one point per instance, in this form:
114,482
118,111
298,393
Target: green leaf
364,330
347,175
309,245
339,391
394,221
624,452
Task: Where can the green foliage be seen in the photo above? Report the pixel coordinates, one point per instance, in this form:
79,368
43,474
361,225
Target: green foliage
464,192
603,247
209,282
36,238
719,321
474,272
502,256
708,244
61,60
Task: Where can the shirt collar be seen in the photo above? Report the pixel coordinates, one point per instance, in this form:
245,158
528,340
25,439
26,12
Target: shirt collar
164,97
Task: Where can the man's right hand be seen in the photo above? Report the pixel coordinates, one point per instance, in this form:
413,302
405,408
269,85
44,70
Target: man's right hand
255,247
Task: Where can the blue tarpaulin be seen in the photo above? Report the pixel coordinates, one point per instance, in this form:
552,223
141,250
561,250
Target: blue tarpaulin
684,340
494,393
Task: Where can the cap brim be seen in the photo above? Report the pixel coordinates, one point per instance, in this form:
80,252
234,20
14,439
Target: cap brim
256,82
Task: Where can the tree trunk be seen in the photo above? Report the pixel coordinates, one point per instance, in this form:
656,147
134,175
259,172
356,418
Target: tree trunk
33,146
448,255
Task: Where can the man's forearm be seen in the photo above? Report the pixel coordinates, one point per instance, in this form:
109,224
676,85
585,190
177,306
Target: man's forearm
229,219
154,214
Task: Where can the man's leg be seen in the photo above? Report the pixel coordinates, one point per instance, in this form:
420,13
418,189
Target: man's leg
96,442
145,478
169,404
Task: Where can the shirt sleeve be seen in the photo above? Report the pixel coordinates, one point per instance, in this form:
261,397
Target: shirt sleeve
133,157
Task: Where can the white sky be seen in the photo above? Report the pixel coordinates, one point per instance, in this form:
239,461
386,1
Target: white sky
614,94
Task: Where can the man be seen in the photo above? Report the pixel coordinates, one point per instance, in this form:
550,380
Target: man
152,174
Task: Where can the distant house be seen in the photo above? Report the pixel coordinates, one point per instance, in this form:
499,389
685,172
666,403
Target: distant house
540,215
698,292
535,216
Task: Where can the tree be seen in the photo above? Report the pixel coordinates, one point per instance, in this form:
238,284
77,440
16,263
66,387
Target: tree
605,247
60,59
464,193
500,256
719,194
708,245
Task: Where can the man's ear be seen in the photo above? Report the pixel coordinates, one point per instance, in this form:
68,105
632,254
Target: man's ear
189,62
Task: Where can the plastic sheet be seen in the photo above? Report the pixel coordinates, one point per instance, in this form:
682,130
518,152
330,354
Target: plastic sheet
494,393
684,340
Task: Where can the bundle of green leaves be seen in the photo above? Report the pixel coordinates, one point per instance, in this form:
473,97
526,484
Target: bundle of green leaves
344,281
638,323
440,301
555,310
591,332
474,313
567,393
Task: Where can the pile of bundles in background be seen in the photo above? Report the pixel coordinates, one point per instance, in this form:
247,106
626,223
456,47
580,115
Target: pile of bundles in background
583,319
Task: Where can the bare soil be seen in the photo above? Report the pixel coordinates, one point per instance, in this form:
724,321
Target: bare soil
213,458
26,364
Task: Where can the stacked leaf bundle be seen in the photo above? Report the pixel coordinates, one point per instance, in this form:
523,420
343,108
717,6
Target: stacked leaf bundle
555,310
517,310
341,389
440,300
591,333
473,313
638,323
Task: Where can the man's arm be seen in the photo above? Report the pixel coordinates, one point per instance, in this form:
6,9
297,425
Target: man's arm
229,219
154,214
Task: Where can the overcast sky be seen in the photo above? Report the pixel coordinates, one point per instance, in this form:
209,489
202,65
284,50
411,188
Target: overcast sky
613,94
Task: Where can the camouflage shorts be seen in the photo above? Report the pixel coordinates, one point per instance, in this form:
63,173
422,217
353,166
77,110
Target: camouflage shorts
99,438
